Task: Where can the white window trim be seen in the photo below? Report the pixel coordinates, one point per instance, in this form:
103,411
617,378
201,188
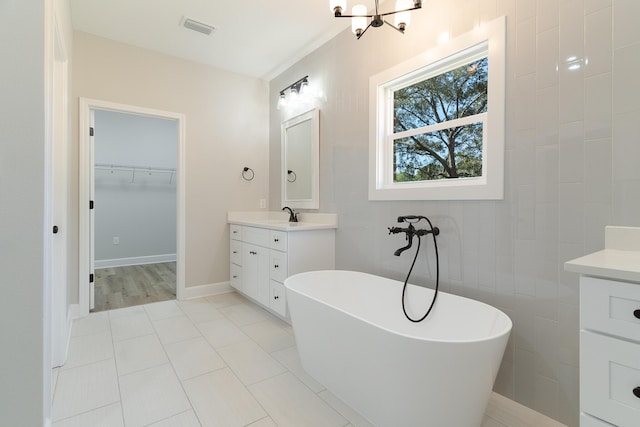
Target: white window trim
487,40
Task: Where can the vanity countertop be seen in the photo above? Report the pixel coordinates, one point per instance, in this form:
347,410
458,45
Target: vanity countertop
620,259
280,220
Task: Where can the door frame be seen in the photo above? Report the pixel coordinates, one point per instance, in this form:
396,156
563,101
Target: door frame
85,170
61,313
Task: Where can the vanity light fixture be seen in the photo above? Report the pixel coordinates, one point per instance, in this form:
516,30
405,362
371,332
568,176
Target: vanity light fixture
360,17
299,88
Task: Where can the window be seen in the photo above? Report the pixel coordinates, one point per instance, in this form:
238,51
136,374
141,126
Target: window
438,122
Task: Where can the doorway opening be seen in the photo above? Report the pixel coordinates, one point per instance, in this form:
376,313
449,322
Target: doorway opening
132,215
135,159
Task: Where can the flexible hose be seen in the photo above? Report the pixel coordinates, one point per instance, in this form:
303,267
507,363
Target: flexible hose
435,293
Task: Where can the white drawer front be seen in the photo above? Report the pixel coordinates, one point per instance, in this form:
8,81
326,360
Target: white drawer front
278,301
610,379
589,421
236,252
236,232
278,240
236,276
256,236
278,265
610,307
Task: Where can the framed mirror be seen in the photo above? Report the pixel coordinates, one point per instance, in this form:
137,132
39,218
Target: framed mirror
300,150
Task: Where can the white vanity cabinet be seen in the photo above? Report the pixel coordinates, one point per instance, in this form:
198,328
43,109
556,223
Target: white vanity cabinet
610,350
610,330
262,257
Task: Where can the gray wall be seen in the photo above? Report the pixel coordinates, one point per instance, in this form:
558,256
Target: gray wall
24,160
569,171
139,208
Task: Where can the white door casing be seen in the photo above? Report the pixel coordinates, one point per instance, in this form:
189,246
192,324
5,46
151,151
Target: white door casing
60,320
86,188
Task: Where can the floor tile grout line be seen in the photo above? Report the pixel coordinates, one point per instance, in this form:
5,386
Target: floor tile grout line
186,395
90,410
115,363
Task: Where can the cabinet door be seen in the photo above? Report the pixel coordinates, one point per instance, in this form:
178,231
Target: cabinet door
235,252
278,302
278,265
610,379
236,276
255,272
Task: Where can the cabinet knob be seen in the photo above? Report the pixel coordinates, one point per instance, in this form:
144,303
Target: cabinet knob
253,252
276,240
636,313
235,277
636,392
235,252
276,266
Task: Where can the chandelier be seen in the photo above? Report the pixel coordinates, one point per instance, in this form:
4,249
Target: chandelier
361,20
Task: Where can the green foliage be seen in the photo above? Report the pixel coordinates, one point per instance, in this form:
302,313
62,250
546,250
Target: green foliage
448,153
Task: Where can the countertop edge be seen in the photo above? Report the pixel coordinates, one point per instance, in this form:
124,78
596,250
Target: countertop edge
287,227
608,263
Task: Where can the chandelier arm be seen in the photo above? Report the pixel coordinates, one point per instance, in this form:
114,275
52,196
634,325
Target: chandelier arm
393,26
355,16
393,12
364,31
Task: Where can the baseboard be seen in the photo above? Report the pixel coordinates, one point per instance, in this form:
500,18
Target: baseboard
74,312
140,260
200,291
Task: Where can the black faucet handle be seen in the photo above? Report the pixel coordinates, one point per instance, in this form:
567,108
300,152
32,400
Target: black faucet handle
395,230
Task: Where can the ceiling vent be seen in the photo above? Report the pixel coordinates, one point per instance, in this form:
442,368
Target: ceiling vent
198,26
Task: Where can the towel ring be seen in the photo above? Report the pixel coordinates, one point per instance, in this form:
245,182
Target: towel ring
289,174
247,174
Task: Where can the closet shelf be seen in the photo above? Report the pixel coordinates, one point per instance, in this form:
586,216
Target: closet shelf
134,169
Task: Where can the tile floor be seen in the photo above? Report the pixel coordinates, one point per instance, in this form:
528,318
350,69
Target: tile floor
215,361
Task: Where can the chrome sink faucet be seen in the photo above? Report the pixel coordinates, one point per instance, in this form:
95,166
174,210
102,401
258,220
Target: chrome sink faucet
293,215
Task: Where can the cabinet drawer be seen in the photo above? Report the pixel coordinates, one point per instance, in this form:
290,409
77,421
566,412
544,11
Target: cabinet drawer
235,254
277,300
278,240
610,379
611,307
589,421
235,232
236,276
278,265
256,236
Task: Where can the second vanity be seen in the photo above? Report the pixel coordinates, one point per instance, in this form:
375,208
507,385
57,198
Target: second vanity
610,331
265,248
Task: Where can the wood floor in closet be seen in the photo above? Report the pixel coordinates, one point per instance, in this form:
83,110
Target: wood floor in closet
119,287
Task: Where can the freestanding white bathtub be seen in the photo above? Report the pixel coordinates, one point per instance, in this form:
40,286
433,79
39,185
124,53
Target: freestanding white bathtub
353,338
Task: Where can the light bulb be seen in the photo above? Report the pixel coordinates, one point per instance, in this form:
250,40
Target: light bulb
402,19
304,87
282,100
359,21
337,6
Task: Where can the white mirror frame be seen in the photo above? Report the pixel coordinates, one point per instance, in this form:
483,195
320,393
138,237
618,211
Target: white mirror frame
314,202
490,185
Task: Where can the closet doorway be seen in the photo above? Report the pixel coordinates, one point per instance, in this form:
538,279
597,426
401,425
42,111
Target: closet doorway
135,195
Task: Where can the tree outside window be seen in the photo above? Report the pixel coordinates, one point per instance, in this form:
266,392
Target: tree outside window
439,125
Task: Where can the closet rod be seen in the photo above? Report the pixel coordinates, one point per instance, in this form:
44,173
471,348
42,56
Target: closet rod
110,166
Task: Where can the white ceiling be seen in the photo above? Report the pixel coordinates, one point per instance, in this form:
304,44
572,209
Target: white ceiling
259,38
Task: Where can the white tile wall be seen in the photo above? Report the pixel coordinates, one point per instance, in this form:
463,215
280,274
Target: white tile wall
571,168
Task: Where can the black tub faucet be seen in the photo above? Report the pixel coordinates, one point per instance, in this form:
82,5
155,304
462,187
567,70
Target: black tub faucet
293,215
411,231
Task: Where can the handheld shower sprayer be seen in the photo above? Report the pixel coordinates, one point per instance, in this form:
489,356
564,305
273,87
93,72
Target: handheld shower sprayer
410,231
